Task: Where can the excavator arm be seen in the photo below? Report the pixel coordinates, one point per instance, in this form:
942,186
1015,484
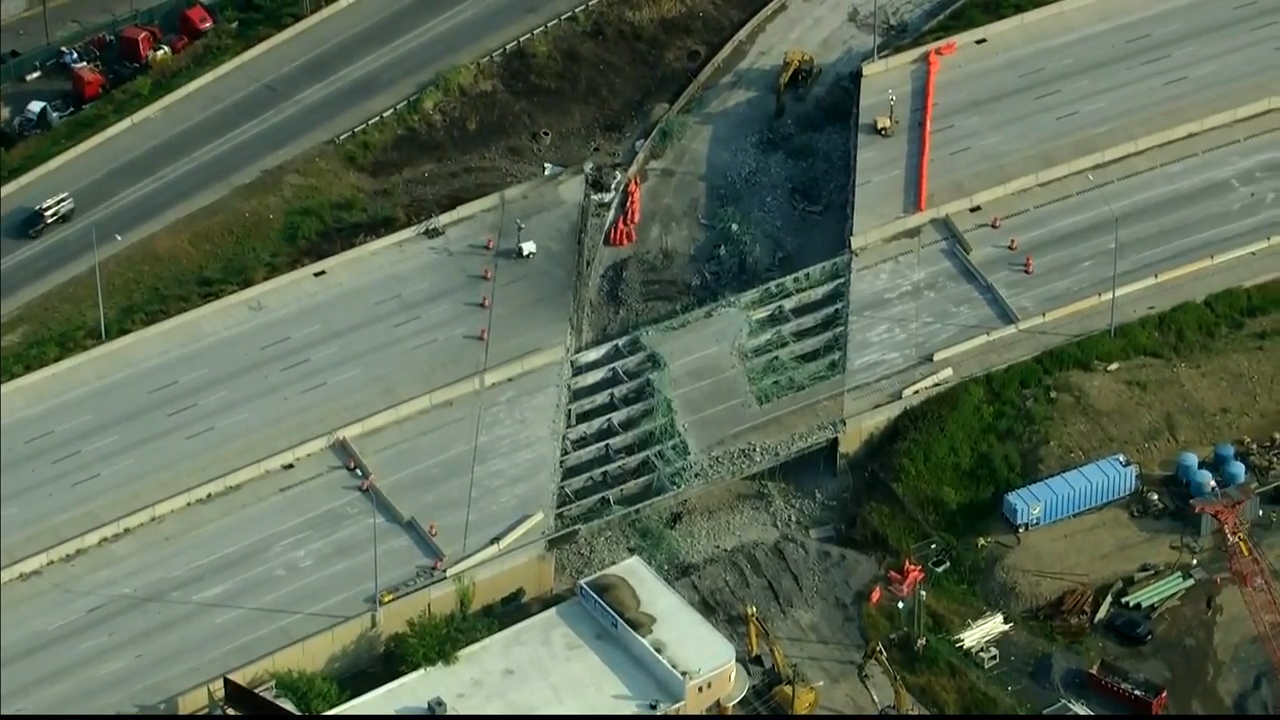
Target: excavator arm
792,694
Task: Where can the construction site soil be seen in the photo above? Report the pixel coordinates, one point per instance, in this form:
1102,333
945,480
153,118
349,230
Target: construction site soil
593,86
753,542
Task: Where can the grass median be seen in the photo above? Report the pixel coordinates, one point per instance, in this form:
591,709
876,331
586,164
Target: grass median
593,83
241,25
941,468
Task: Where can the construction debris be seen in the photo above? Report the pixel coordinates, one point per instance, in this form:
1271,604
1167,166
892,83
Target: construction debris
1073,612
982,633
1263,458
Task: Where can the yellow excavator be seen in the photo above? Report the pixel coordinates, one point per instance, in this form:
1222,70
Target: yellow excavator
792,694
799,70
901,701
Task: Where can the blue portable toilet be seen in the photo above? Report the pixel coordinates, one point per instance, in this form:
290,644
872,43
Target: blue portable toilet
1187,466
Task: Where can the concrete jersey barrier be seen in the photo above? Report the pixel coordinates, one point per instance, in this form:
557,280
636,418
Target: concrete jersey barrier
1099,298
415,406
1074,167
173,97
874,67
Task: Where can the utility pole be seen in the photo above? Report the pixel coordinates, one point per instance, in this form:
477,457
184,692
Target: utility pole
97,276
44,9
1115,255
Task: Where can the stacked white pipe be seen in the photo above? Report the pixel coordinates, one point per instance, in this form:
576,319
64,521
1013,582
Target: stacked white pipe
982,632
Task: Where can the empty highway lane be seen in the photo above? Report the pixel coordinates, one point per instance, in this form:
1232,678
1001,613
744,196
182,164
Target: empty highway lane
165,413
208,590
1184,209
326,80
1052,91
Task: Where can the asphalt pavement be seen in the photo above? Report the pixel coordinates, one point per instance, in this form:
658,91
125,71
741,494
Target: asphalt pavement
1169,211
326,80
218,585
1052,91
168,412
136,622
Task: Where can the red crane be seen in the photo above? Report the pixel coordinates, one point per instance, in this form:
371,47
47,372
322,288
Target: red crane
1253,571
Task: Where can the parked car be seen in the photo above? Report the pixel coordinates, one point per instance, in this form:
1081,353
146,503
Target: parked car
1130,628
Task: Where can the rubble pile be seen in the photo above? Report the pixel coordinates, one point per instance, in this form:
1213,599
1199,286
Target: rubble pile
1262,457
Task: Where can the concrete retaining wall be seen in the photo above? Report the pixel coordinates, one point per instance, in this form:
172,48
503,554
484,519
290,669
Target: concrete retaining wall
253,471
173,97
357,643
1074,167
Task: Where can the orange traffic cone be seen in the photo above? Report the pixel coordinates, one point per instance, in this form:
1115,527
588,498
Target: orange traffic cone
996,222
484,301
1028,267
483,334
489,244
486,274
1013,244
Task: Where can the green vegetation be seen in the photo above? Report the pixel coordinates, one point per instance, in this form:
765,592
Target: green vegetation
242,24
470,133
974,14
944,464
429,640
311,692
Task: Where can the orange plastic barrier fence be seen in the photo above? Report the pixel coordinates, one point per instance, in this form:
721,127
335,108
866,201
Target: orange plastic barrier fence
623,231
935,62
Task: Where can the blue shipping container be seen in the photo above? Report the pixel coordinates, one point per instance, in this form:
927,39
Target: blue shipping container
1071,493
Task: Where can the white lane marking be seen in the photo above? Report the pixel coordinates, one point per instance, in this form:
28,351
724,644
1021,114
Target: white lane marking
192,376
290,588
93,641
211,398
311,329
100,443
9,512
57,625
345,376
112,667
428,463
322,353
233,420
286,541
385,53
121,466
74,423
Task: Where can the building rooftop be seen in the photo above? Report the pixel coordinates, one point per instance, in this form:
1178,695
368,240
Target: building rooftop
582,657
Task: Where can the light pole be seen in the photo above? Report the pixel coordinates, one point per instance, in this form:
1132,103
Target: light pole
377,582
1115,254
97,276
875,30
519,232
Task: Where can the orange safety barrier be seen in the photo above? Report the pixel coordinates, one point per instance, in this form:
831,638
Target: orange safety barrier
935,62
623,231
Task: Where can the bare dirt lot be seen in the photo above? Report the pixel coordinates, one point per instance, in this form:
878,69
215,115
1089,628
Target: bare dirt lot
734,195
750,542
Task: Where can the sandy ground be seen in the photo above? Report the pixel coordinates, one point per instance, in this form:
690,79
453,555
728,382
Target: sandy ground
737,196
750,543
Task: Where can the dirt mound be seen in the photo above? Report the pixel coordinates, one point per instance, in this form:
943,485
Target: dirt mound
591,85
618,594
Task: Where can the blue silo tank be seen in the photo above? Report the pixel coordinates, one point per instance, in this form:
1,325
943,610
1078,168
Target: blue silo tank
1223,453
1187,466
1202,484
1233,474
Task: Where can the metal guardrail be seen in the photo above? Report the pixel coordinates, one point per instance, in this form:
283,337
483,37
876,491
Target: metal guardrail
494,56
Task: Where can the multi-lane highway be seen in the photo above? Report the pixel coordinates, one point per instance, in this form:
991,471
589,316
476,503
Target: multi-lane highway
216,586
166,413
136,622
1056,90
326,80
1184,211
